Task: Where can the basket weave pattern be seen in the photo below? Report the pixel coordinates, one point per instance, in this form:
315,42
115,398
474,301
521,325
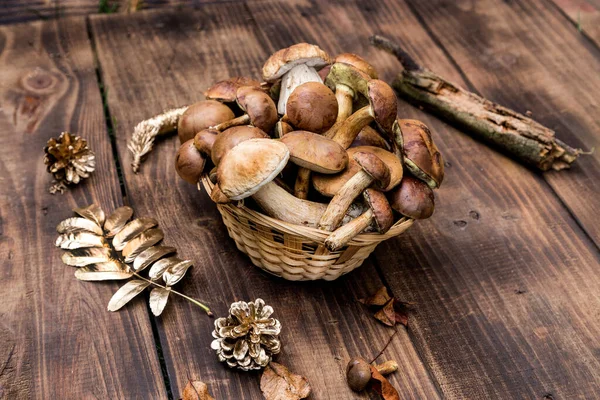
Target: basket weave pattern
295,252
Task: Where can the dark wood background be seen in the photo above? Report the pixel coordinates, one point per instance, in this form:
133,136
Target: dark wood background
505,276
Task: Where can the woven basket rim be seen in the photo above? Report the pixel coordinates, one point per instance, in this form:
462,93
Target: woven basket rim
314,234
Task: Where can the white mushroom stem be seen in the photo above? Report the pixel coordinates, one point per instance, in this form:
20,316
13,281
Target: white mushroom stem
339,204
344,96
344,234
291,80
279,204
348,130
241,120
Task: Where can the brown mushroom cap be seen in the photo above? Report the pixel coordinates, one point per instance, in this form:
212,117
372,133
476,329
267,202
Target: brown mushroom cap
370,137
259,106
421,155
383,103
383,216
282,128
412,198
358,374
315,152
250,165
357,62
231,137
284,60
312,106
189,163
225,90
374,167
329,185
204,141
200,116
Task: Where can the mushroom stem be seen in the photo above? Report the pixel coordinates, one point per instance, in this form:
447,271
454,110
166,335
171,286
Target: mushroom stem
302,184
342,235
344,96
341,201
386,367
349,129
291,80
241,120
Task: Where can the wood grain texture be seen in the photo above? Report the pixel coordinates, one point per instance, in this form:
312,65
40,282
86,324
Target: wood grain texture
504,279
524,56
585,16
57,339
323,324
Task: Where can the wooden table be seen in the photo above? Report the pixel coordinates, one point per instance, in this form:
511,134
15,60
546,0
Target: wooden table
505,276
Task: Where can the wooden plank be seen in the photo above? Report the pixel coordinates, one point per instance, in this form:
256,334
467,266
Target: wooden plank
585,16
504,280
323,325
553,74
58,340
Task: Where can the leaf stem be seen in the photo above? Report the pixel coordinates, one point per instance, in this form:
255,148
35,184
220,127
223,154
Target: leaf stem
196,302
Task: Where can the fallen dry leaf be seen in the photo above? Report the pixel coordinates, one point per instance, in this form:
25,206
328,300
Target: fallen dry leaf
394,312
278,383
383,386
196,390
378,299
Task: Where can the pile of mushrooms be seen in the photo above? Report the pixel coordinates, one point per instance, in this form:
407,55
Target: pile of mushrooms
317,143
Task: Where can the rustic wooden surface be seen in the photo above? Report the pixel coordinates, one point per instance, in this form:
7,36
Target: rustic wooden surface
56,340
504,275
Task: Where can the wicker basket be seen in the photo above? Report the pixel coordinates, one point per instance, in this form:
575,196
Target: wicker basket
295,252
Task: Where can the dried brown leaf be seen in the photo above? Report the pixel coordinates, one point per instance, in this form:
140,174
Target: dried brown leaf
158,300
78,240
150,255
159,268
92,212
141,243
77,224
111,270
127,292
392,313
383,386
131,230
83,257
176,272
278,383
378,299
196,390
117,220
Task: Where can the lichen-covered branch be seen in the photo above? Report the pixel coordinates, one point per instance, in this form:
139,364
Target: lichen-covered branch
515,133
145,132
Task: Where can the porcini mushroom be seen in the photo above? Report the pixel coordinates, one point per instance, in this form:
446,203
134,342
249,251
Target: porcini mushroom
312,107
225,90
295,65
259,110
358,372
230,138
413,198
189,162
344,92
313,152
249,168
200,116
281,128
379,213
373,171
421,155
381,109
204,140
370,137
329,185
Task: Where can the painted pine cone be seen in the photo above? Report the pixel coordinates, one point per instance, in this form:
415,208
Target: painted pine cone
248,337
69,159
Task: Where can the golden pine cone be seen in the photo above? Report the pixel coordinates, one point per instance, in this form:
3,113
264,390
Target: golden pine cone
69,160
248,337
